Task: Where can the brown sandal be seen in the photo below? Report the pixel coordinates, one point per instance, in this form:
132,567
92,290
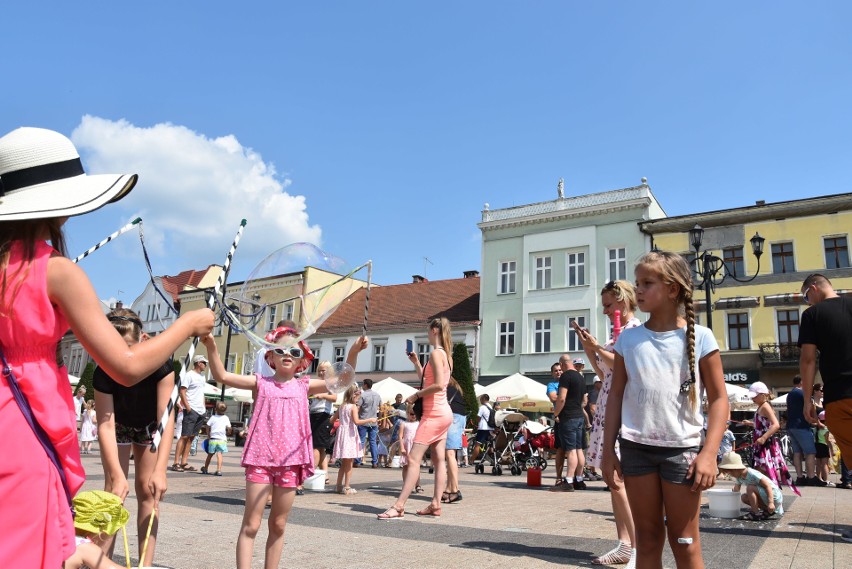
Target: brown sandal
386,515
429,510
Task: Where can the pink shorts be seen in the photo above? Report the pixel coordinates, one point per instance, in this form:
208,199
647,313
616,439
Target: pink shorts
281,476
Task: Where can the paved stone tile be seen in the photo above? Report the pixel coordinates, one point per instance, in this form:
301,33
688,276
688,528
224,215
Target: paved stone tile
500,523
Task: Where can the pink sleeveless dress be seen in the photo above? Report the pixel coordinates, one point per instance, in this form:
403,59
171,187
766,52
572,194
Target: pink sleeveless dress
437,415
280,429
347,443
35,522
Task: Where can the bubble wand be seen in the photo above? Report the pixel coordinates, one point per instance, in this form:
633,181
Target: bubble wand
147,537
211,302
124,229
616,325
367,297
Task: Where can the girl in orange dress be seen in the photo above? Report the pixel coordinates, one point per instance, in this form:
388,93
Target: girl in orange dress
42,293
434,424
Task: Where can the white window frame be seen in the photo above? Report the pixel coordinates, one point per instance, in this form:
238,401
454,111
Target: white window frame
503,331
616,259
289,310
248,363
232,362
507,271
423,350
541,329
271,320
543,272
572,342
578,267
379,353
339,353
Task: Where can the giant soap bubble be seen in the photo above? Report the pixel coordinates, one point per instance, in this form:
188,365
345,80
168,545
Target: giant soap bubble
300,281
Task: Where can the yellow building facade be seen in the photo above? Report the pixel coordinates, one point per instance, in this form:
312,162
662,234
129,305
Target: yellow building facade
756,323
282,297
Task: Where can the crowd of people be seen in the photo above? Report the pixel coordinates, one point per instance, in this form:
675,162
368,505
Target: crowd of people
653,428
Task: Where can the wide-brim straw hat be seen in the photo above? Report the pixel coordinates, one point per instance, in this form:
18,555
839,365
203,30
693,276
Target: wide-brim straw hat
41,176
731,461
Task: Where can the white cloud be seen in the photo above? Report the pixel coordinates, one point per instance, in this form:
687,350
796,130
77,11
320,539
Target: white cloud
194,190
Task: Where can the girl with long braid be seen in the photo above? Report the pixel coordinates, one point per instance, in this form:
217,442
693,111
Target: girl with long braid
660,370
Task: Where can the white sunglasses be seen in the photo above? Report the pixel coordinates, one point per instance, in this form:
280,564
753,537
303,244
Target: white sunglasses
294,352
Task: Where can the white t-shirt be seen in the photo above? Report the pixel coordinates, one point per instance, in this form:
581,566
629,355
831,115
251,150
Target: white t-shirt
218,427
483,414
654,411
78,406
194,383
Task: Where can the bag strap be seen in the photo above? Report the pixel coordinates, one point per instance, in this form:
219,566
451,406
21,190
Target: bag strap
41,435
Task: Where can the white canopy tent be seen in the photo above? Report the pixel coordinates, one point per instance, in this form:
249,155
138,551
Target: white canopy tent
389,387
521,392
779,402
239,395
73,379
387,390
739,397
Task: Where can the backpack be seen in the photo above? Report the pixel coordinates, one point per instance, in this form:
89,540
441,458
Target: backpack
492,418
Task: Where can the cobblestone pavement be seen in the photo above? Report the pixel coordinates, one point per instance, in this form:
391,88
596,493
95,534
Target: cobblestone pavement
500,523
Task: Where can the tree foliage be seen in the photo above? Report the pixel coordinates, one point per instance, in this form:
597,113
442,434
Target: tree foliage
463,373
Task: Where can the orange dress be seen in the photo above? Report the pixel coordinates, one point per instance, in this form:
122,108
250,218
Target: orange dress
35,522
437,415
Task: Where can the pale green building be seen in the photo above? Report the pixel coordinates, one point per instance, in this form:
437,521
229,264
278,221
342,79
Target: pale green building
544,264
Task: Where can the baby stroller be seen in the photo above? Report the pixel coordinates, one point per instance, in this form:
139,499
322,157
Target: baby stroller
500,449
532,442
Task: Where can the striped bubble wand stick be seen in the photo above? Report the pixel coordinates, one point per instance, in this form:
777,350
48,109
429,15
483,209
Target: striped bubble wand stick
211,302
124,229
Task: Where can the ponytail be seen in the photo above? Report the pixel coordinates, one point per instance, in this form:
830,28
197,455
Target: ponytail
689,384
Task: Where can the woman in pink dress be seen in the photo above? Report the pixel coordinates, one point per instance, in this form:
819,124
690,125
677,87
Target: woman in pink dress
435,422
615,296
41,293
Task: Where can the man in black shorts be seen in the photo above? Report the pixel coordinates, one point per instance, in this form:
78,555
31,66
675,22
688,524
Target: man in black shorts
571,423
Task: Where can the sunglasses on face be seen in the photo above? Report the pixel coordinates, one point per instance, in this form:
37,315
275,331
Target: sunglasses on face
295,352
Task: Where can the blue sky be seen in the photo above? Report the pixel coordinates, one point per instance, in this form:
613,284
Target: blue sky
379,129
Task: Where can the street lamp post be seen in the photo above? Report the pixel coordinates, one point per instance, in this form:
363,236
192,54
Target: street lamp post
710,267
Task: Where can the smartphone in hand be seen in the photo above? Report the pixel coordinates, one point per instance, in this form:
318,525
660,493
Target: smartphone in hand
409,346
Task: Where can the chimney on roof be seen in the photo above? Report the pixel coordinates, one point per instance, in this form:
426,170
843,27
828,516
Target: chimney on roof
419,279
760,202
471,274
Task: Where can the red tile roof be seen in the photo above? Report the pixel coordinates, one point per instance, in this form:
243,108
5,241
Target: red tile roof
174,285
407,305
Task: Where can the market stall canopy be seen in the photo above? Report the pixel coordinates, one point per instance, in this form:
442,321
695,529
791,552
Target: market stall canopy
239,395
73,379
739,397
389,387
779,402
521,392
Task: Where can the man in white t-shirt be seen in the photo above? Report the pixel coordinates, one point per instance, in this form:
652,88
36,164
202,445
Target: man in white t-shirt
192,398
483,429
79,401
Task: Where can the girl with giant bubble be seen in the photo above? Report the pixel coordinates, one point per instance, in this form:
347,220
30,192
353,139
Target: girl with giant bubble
278,455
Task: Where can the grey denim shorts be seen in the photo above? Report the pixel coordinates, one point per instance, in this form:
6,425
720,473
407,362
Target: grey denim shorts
670,463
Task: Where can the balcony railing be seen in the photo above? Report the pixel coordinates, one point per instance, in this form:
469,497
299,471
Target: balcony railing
779,354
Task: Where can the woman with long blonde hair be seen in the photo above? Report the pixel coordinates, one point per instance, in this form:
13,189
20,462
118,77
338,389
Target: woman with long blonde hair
435,422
